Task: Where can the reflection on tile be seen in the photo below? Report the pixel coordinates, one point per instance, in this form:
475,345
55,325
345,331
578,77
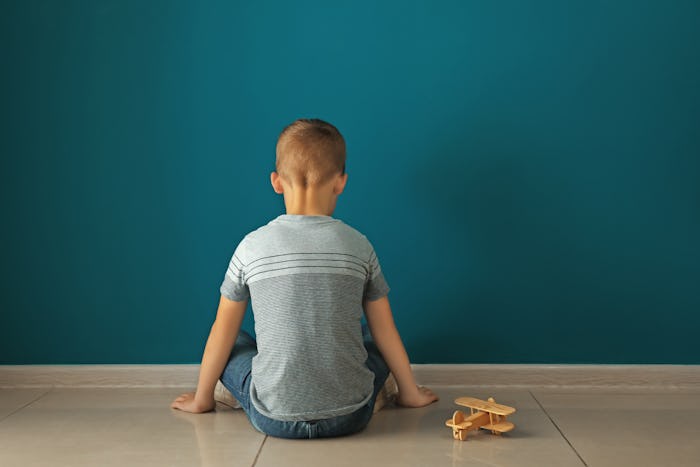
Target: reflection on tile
13,399
398,436
613,428
124,427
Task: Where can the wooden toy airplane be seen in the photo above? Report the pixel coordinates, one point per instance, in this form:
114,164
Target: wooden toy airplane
486,415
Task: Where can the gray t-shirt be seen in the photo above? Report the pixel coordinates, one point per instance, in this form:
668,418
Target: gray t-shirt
307,277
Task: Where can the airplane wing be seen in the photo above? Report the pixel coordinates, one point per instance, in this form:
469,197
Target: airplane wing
501,427
478,404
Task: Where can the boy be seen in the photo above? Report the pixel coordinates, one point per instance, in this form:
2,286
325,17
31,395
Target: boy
314,370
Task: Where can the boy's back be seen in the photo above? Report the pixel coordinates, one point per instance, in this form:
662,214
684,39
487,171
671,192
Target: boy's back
314,371
307,277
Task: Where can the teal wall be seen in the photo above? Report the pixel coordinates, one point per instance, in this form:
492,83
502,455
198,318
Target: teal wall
528,171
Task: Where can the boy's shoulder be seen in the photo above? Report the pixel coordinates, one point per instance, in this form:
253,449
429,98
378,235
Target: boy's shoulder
303,223
283,230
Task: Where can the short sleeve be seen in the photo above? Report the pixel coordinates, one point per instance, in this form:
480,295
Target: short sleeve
234,287
376,286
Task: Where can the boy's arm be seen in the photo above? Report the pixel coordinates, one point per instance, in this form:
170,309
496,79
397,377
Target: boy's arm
217,351
386,336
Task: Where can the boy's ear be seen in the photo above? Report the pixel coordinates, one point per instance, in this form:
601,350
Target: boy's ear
276,183
340,184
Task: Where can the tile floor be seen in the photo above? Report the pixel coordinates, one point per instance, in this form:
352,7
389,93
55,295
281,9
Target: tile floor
134,427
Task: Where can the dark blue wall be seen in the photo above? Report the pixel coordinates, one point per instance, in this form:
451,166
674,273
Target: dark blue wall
528,171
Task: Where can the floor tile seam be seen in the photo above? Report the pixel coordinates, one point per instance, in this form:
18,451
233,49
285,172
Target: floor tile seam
26,405
558,429
257,455
97,386
567,387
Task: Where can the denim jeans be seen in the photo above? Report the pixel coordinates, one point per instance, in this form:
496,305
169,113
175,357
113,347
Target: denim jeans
236,378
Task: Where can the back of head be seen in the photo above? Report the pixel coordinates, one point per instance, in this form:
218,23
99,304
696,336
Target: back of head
310,152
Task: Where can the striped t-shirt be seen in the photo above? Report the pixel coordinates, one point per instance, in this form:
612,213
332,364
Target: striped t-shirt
307,277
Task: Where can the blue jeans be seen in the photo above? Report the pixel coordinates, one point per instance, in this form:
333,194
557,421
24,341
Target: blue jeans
236,378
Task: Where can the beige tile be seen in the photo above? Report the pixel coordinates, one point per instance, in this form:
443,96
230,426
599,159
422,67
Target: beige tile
12,400
618,390
613,428
125,427
409,437
136,427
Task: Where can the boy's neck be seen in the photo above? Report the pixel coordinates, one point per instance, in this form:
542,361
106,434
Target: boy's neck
309,202
308,213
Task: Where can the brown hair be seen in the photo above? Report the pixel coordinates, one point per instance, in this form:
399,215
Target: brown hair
310,152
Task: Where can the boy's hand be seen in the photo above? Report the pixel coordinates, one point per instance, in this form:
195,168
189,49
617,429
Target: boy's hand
420,397
188,403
